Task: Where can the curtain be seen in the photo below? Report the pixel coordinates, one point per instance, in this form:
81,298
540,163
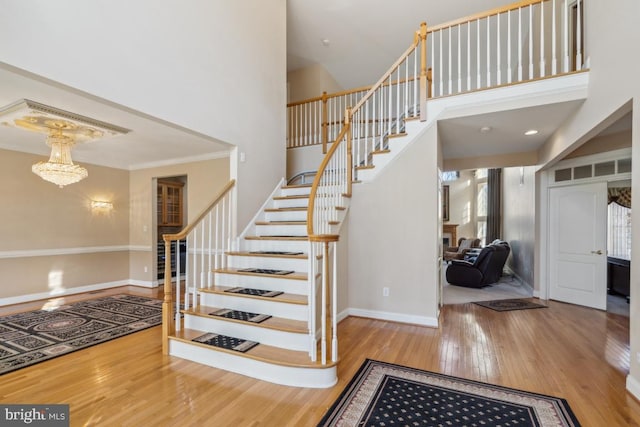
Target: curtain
494,205
620,195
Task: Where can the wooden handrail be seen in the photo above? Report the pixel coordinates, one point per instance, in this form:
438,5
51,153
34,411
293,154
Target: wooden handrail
318,177
487,13
182,234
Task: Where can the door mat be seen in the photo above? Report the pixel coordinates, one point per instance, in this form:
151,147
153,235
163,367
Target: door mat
240,315
509,304
254,292
226,342
266,271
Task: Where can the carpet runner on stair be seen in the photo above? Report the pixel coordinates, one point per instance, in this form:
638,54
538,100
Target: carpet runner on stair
254,292
240,315
226,342
266,271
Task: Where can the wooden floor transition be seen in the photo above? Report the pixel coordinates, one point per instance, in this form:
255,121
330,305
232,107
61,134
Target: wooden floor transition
568,351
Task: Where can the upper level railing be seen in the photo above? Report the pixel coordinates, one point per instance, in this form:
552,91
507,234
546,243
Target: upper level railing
521,42
209,237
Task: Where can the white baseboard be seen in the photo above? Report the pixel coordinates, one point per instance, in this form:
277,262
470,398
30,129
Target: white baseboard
633,386
343,315
77,290
144,283
393,317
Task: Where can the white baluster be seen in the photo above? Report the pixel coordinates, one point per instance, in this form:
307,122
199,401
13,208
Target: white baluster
554,60
450,67
488,51
177,312
323,323
520,44
509,69
415,80
398,99
531,42
441,61
542,30
390,111
478,77
406,88
579,36
312,301
334,306
468,55
565,37
459,59
433,68
498,52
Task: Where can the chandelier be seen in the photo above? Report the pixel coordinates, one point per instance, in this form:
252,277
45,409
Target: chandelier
60,169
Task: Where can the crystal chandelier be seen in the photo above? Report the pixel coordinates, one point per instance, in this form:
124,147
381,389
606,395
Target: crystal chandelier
60,169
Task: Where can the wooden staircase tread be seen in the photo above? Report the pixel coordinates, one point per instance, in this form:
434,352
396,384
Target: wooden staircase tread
291,276
277,323
292,209
412,118
283,298
290,238
264,255
291,197
365,167
304,222
261,352
285,187
398,135
380,152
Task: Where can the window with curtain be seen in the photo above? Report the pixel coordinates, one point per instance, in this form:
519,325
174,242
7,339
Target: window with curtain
481,211
619,223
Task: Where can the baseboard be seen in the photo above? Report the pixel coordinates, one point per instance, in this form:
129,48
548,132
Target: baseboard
633,386
343,315
522,282
144,283
393,317
77,290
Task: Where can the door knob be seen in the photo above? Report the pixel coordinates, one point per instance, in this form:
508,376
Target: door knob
598,252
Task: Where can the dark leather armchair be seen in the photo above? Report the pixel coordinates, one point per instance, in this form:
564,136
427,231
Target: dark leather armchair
458,252
485,270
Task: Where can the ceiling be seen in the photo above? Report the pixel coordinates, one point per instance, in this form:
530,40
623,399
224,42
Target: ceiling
364,38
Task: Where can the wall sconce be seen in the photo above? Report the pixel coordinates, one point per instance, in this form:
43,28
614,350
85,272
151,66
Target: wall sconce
101,205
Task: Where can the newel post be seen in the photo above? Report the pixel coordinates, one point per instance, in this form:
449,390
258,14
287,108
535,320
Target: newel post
424,81
167,304
347,123
325,125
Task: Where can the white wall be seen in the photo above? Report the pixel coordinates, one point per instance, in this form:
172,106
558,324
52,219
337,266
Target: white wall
392,237
518,216
207,65
612,29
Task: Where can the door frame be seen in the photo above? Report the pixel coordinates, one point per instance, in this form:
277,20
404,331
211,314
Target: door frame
544,182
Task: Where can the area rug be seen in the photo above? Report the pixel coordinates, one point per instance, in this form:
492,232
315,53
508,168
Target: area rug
35,336
509,304
384,394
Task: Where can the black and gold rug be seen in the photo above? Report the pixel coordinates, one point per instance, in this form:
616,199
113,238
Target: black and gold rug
509,304
384,394
35,336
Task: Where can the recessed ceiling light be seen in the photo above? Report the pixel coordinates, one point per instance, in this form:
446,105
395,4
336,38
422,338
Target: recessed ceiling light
531,132
485,129
325,42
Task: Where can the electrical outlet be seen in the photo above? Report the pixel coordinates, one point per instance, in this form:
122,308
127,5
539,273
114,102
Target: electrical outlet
146,269
385,292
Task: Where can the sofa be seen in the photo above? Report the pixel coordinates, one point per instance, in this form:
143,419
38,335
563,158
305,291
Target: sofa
483,271
458,252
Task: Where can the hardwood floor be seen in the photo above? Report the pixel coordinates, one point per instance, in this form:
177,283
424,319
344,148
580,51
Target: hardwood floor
567,351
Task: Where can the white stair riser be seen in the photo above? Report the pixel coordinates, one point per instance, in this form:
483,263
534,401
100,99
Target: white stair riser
278,374
275,263
295,191
272,337
290,203
281,230
290,286
286,216
255,305
275,245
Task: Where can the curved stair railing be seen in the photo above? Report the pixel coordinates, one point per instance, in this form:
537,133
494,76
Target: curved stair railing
208,238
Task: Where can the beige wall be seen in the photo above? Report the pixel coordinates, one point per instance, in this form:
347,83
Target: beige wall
38,218
462,204
310,82
602,144
204,181
518,221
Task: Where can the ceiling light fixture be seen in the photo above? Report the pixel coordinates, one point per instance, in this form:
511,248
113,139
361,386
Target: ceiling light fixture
531,132
485,129
325,42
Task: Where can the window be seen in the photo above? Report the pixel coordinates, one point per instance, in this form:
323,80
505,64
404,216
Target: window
619,231
481,205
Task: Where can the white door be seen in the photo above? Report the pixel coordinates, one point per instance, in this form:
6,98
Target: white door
578,244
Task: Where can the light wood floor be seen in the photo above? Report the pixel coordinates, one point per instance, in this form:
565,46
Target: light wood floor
572,352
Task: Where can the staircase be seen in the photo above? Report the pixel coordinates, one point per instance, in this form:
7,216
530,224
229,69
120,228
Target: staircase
286,350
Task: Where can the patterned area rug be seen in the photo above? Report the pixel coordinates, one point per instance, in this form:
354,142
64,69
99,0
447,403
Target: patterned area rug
35,336
384,394
509,304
